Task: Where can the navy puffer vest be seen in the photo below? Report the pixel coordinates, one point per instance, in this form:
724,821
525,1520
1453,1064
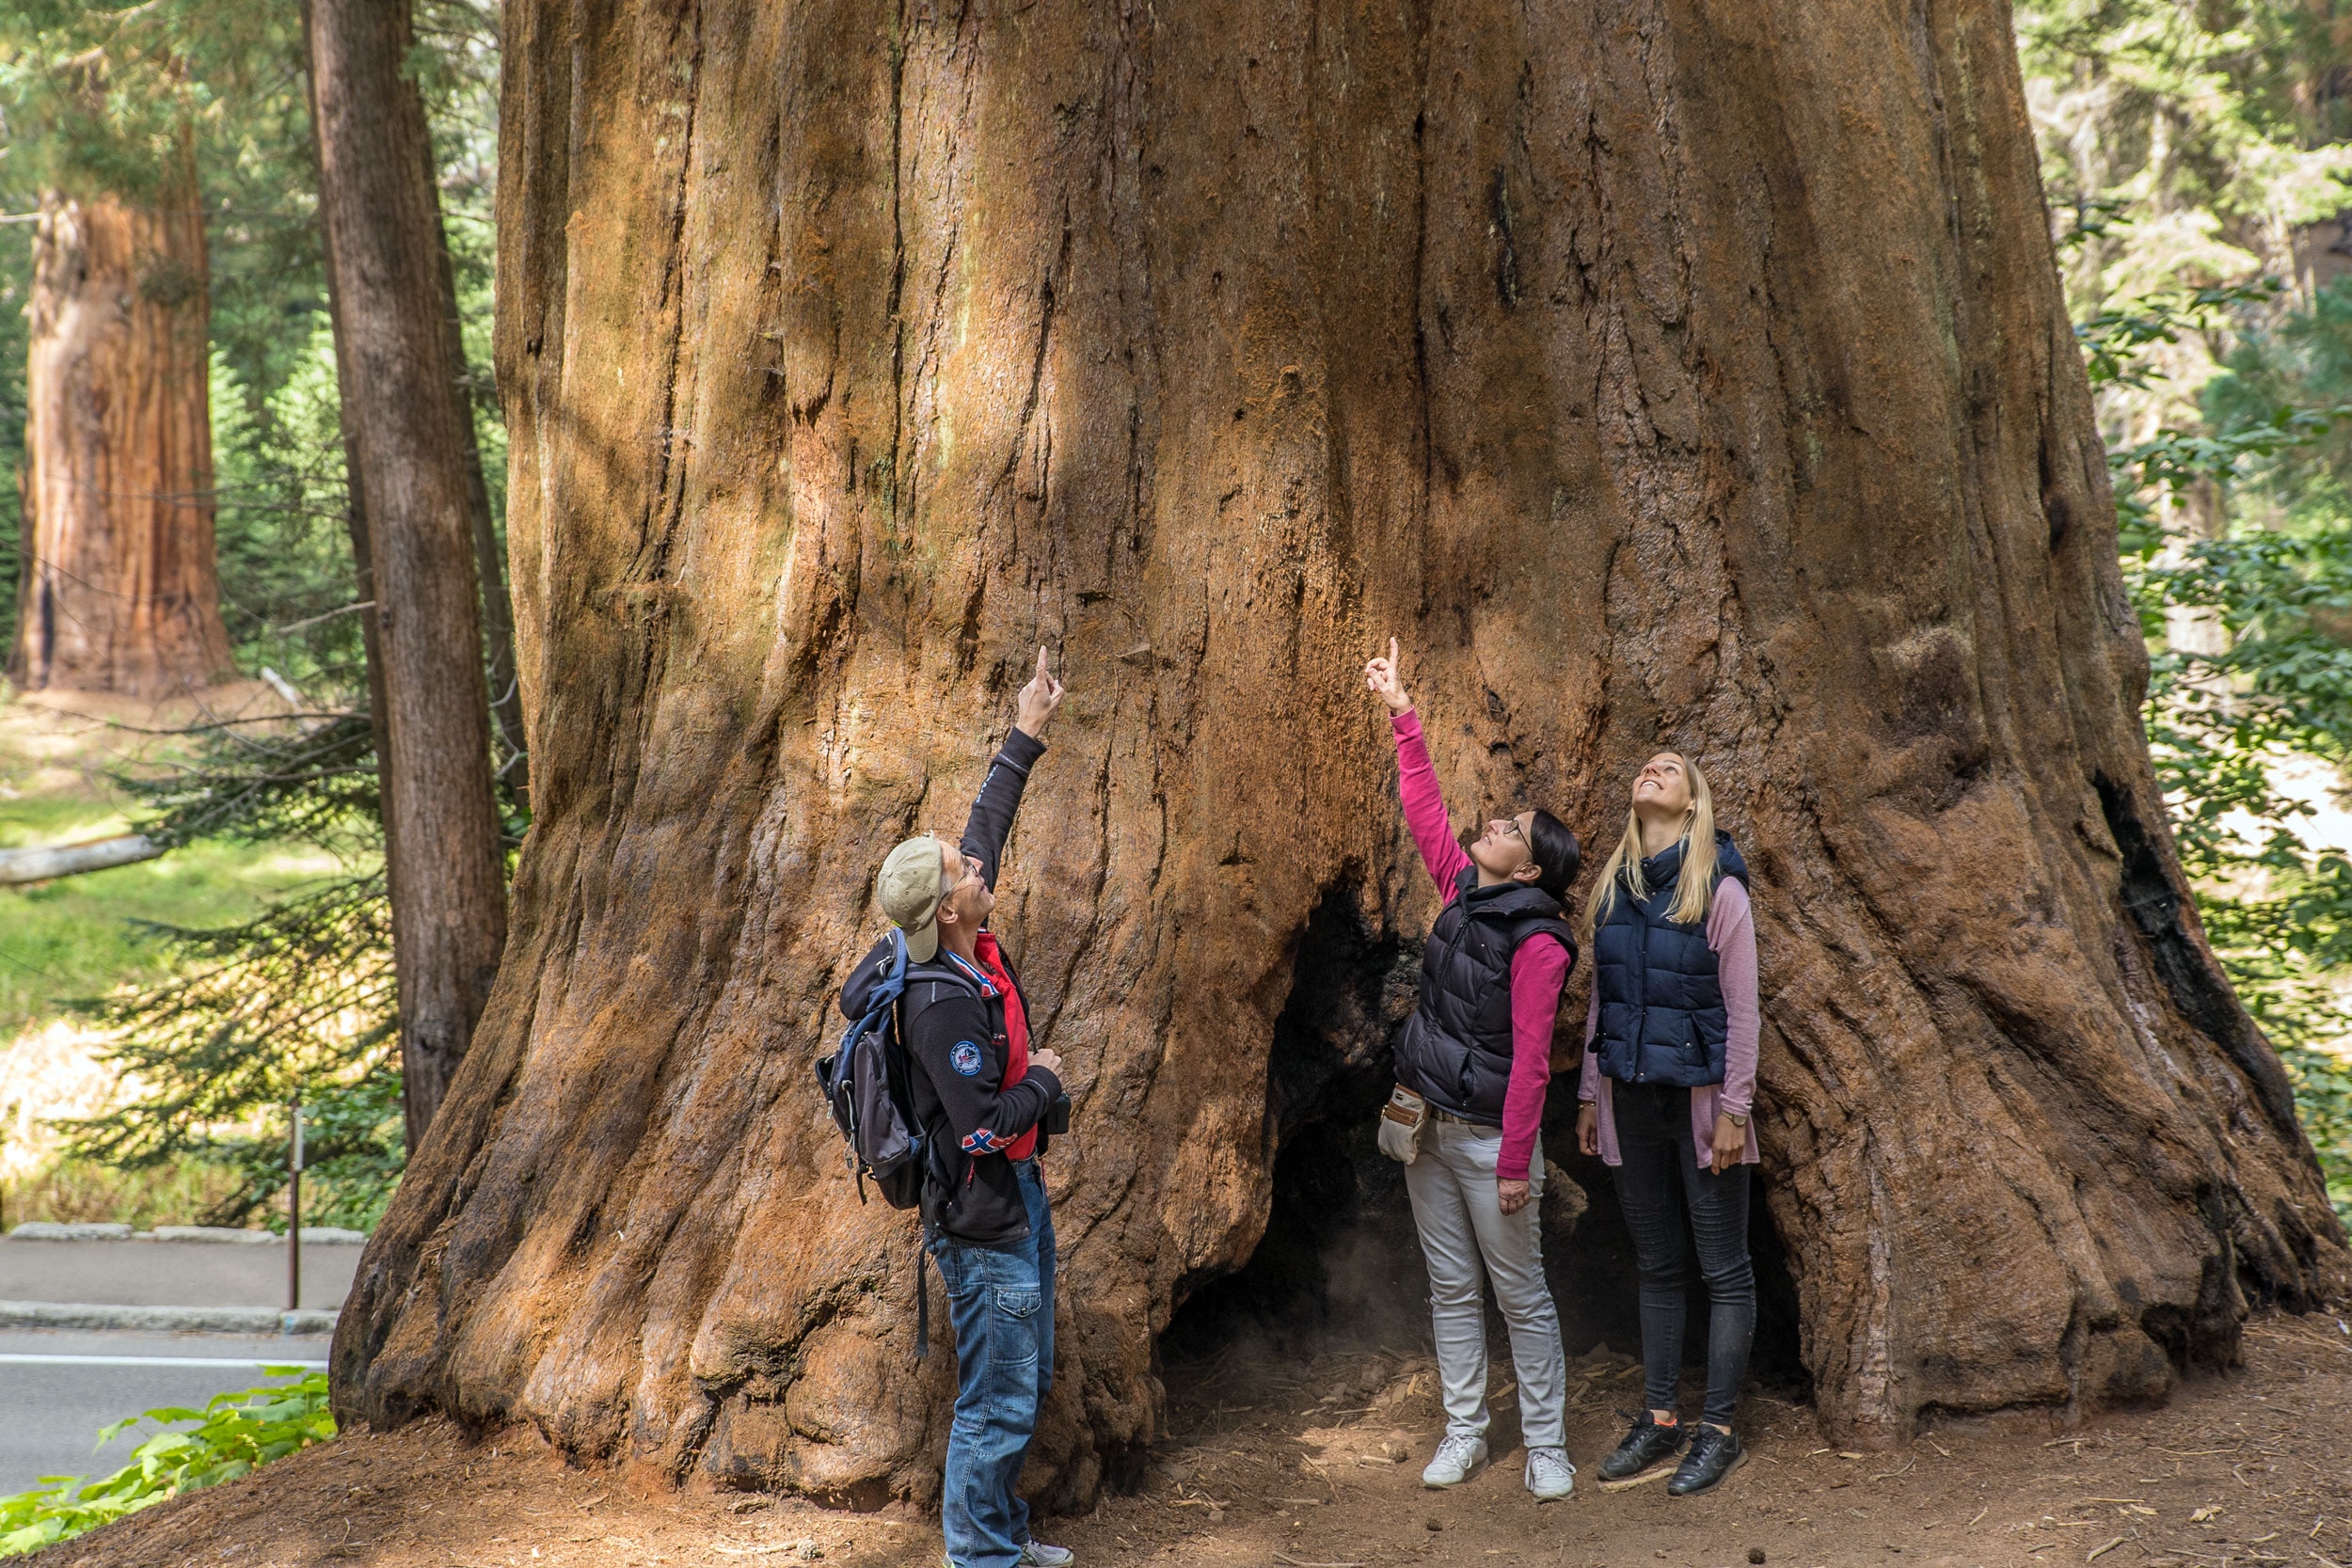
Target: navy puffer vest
1456,1047
1662,1011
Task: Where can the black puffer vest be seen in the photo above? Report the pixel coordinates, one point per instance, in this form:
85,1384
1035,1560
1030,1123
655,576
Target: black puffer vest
1456,1049
1662,1010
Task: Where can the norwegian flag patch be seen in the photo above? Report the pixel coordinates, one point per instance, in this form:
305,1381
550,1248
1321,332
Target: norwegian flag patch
984,1140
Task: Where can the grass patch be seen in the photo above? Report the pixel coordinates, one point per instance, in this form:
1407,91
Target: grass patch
90,936
80,936
71,1191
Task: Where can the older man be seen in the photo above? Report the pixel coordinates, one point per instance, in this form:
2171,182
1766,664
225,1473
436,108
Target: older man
983,1097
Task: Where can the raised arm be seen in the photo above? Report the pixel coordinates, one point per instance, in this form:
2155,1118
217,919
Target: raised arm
993,808
1416,778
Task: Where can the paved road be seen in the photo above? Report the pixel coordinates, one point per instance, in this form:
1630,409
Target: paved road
57,1388
170,1274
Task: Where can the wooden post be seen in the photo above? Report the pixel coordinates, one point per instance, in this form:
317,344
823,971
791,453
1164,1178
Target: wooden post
293,1217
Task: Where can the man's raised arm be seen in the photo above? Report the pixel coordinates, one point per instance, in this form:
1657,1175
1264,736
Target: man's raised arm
993,810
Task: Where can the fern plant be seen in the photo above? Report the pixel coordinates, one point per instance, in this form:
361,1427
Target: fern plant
234,1433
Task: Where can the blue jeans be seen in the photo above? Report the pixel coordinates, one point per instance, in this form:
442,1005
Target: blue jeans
1001,1301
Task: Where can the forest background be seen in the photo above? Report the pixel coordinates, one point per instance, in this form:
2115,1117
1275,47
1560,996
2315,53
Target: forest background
2197,156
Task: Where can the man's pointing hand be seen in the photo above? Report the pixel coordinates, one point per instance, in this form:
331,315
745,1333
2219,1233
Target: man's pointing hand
1038,698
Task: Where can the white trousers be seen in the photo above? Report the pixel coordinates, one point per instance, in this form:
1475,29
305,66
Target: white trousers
1462,1224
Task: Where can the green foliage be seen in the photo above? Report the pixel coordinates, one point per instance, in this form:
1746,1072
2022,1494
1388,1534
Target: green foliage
2220,724
105,98
2278,912
2116,340
253,785
2183,138
2184,142
296,1002
234,1433
138,102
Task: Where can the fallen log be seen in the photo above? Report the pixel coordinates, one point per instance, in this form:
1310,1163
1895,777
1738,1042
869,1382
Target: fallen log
67,860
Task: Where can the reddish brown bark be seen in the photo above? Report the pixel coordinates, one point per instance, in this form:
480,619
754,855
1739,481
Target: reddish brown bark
1664,372
404,424
118,589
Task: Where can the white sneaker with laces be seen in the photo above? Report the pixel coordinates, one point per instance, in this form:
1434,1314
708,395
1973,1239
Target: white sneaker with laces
1550,1475
1037,1554
1458,1459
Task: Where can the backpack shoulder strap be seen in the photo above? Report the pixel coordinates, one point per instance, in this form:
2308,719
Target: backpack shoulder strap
928,985
930,980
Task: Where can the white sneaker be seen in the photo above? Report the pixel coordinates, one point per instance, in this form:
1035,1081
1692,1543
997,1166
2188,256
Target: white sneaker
1457,1459
1037,1554
1550,1475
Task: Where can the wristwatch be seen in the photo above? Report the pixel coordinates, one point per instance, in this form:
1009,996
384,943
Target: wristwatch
1737,1120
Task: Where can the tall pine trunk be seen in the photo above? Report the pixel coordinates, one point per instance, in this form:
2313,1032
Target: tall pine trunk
119,590
356,529
1662,372
404,422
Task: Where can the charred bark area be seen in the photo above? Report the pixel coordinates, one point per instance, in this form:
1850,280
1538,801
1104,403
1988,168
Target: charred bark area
1662,373
1340,1263
120,591
2154,895
1339,1258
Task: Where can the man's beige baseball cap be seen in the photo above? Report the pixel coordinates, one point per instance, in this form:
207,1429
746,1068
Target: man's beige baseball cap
909,889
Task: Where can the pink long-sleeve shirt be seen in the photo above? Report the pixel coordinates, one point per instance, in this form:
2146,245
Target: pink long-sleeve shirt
1538,969
1731,932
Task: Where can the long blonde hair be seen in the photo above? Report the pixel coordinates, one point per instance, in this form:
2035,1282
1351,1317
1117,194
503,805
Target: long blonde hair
1695,886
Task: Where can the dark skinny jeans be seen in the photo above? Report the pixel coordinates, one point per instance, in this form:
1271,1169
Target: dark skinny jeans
1654,1138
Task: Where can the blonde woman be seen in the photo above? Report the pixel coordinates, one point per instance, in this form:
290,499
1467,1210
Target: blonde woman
1669,1079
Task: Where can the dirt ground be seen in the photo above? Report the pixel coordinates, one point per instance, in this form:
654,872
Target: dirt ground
1316,1465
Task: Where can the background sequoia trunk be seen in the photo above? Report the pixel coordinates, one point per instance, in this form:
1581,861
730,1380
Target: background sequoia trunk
120,591
1659,371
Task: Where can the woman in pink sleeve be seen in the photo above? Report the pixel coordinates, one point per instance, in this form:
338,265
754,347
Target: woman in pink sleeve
1669,1081
1478,1052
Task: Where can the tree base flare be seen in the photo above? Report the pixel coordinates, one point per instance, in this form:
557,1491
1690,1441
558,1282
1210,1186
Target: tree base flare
1256,1464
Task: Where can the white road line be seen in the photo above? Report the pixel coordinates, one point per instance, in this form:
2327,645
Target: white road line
159,1361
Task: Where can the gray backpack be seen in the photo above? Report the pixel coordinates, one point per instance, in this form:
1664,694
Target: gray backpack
865,1082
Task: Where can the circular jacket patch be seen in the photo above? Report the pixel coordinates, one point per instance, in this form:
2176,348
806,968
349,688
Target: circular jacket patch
966,1058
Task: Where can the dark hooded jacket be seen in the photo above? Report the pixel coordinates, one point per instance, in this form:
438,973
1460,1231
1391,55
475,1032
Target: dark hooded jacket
954,1037
1662,1010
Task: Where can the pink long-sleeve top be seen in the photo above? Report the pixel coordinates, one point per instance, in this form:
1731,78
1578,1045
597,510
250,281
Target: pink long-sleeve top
1538,969
1731,932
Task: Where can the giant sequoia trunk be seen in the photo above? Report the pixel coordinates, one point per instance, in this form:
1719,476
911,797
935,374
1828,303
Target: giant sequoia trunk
1661,371
120,591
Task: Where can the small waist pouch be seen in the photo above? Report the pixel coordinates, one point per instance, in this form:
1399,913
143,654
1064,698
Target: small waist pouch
1404,1122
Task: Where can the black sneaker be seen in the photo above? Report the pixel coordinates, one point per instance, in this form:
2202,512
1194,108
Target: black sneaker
1646,1445
1713,1455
